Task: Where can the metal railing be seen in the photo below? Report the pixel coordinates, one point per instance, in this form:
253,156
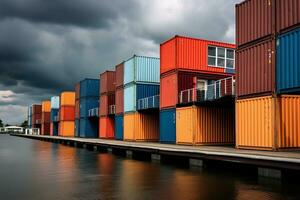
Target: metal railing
32,131
94,112
217,90
148,103
112,110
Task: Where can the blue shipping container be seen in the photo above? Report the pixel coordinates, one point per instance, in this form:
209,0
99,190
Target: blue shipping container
167,126
119,127
142,69
133,92
55,129
53,113
86,104
88,128
77,127
55,102
89,88
288,62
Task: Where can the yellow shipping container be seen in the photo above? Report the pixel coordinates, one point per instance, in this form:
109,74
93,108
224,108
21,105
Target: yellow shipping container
205,125
66,128
268,123
141,127
67,99
46,106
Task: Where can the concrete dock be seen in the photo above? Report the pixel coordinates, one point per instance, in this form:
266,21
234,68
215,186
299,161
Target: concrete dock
269,163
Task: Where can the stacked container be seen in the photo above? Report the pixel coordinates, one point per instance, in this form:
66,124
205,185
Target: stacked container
67,114
89,99
107,105
119,101
186,65
141,80
77,109
268,80
36,116
29,118
45,124
54,115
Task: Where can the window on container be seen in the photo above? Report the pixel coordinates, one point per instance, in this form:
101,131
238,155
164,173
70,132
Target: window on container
220,57
212,56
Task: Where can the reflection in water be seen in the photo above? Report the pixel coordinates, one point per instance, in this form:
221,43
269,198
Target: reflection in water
41,170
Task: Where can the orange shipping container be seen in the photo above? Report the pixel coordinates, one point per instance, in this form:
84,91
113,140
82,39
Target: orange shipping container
66,128
141,127
268,123
205,125
46,106
67,113
67,99
188,54
106,128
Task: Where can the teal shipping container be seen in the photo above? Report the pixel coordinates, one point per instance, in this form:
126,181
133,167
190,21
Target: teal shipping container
119,126
167,126
55,102
88,127
141,69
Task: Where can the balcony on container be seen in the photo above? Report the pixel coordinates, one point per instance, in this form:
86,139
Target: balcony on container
112,110
148,103
56,118
211,92
94,112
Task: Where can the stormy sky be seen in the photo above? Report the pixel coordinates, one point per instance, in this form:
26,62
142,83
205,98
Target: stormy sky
48,46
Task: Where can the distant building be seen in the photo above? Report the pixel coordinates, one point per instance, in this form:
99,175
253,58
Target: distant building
11,129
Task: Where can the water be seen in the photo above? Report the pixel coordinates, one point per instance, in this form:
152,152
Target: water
31,169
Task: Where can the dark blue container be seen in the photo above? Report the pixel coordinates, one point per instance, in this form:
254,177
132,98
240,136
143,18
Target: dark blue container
86,104
53,113
88,128
147,90
288,62
89,88
55,129
77,127
167,126
119,127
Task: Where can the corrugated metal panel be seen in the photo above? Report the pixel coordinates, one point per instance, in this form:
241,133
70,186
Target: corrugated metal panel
167,55
119,100
89,128
106,128
46,106
54,113
67,99
86,104
89,88
167,126
119,127
107,82
106,100
141,127
120,75
77,90
55,102
36,109
45,129
256,69
45,117
77,127
141,69
168,91
66,128
254,20
146,90
130,98
287,14
288,62
67,113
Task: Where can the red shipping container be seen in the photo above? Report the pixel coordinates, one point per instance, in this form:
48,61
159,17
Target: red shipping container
77,109
67,113
37,118
254,20
45,117
107,82
189,54
173,83
51,129
287,14
106,127
36,109
77,90
106,100
120,75
45,129
256,69
119,100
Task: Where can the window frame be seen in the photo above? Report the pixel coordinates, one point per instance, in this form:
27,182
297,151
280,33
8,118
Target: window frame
216,57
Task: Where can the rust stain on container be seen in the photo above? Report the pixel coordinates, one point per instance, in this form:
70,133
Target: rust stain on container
268,123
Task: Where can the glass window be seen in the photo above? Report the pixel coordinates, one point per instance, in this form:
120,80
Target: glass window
221,62
212,51
212,61
229,63
230,53
220,57
221,52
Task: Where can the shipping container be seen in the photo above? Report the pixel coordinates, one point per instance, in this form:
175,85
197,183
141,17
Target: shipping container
107,82
67,99
66,128
77,90
167,126
53,114
36,109
106,101
192,54
287,14
54,129
45,129
119,100
106,128
254,21
256,69
88,128
205,125
46,106
120,75
77,128
89,88
87,103
119,120
268,123
174,82
77,109
133,92
141,127
55,102
288,62
36,119
67,113
45,117
141,69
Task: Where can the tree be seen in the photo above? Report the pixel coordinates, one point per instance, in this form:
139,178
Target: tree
1,123
24,124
